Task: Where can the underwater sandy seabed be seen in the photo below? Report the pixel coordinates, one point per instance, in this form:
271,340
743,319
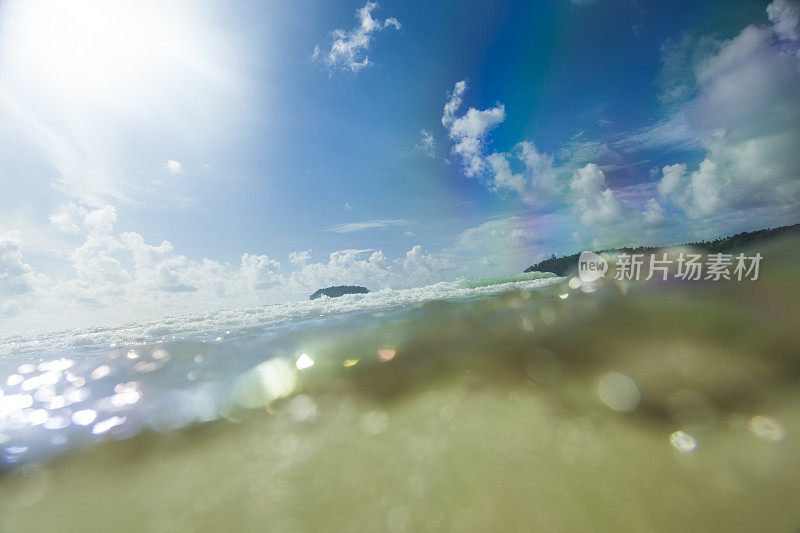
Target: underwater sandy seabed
646,407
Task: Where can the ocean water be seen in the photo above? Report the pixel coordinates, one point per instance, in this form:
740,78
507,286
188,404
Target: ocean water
516,404
67,389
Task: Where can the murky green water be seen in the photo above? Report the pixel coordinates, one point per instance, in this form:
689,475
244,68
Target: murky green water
649,407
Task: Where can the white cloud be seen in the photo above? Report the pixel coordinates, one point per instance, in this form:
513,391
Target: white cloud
746,113
111,268
16,276
679,60
468,131
654,213
100,221
352,227
9,309
423,268
453,103
504,232
536,180
515,234
670,183
372,269
785,18
119,276
738,101
539,167
173,167
705,188
343,267
300,258
259,272
157,267
503,177
348,51
505,245
68,218
595,203
475,124
426,144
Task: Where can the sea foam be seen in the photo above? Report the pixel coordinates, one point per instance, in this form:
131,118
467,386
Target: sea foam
174,327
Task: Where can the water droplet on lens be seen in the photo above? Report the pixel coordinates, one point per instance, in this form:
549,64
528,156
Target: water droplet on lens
618,391
766,428
683,442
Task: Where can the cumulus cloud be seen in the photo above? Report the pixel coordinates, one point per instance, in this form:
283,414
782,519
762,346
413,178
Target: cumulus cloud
504,178
672,177
16,276
539,166
595,203
736,103
68,218
746,113
118,275
373,269
468,131
343,267
18,280
300,258
112,268
785,18
525,170
348,51
475,124
100,221
536,182
421,267
259,272
654,213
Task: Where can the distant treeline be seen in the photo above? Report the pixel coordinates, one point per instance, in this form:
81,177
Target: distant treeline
561,265
339,290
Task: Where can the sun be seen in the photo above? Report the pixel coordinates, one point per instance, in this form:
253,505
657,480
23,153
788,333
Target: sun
103,51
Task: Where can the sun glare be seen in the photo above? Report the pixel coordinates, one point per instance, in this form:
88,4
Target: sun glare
92,49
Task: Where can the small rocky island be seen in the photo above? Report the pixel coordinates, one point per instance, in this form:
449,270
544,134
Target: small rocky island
339,290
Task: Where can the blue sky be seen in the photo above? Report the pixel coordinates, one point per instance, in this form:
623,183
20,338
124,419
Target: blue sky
165,159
